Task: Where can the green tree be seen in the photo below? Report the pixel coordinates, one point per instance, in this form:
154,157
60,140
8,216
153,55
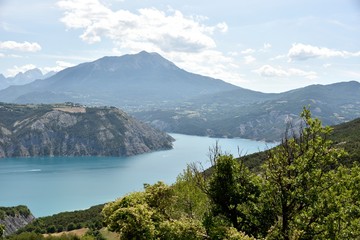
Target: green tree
298,173
236,194
51,229
338,207
131,217
2,230
189,200
151,214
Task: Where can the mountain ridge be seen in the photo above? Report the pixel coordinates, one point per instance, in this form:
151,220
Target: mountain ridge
74,130
134,80
156,91
22,78
261,118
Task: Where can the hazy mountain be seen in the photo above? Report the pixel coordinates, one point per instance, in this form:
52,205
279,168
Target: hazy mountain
3,83
72,130
156,91
23,78
130,80
259,116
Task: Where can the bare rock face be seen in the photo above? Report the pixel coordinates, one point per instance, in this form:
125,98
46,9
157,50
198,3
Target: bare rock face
14,218
71,130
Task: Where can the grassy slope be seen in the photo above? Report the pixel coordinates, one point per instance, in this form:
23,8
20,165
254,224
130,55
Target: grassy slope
345,135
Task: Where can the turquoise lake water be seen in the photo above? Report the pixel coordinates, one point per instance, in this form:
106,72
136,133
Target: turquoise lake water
49,185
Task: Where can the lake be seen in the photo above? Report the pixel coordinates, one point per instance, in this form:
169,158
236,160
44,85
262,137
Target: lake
49,185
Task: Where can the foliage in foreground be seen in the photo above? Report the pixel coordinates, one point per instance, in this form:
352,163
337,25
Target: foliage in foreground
67,221
301,192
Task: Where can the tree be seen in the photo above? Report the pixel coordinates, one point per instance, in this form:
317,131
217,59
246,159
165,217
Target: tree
339,207
2,230
299,174
236,194
131,217
151,214
189,200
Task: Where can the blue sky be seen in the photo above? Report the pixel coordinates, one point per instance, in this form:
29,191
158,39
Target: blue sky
269,46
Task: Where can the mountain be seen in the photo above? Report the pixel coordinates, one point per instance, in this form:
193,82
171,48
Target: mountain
143,79
344,135
171,99
23,78
257,115
347,136
74,130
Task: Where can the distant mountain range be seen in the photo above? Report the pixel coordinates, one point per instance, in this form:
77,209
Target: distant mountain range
257,115
23,78
143,79
156,91
73,130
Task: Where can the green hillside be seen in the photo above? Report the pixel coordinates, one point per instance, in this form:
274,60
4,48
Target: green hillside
345,135
300,192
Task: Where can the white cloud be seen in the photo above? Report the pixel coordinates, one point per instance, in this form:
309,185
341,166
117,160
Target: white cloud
267,45
185,40
15,70
17,46
233,53
60,65
209,63
248,51
278,57
249,59
270,71
300,51
352,74
148,29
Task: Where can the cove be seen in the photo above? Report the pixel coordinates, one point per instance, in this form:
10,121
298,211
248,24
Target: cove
50,185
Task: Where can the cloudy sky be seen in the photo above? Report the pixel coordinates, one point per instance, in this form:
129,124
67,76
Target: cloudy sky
269,46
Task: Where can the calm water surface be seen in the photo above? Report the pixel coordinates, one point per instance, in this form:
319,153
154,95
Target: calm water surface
52,185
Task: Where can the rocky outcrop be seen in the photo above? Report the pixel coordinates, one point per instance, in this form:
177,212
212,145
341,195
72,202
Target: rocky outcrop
14,218
70,130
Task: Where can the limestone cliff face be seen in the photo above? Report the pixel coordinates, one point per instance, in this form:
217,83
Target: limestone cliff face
14,218
68,130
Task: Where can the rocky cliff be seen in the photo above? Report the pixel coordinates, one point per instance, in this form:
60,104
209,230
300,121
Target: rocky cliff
14,218
72,130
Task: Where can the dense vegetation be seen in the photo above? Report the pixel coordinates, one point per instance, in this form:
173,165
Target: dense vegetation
12,211
301,192
304,189
67,221
345,135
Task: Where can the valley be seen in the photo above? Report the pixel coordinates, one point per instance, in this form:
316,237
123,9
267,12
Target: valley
156,91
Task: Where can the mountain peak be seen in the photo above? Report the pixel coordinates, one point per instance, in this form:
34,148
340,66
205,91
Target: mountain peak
141,60
132,79
30,74
145,58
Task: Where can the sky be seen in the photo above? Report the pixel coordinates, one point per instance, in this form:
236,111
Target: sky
268,46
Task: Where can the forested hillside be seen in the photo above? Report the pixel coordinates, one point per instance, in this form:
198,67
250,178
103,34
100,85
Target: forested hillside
345,135
301,191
